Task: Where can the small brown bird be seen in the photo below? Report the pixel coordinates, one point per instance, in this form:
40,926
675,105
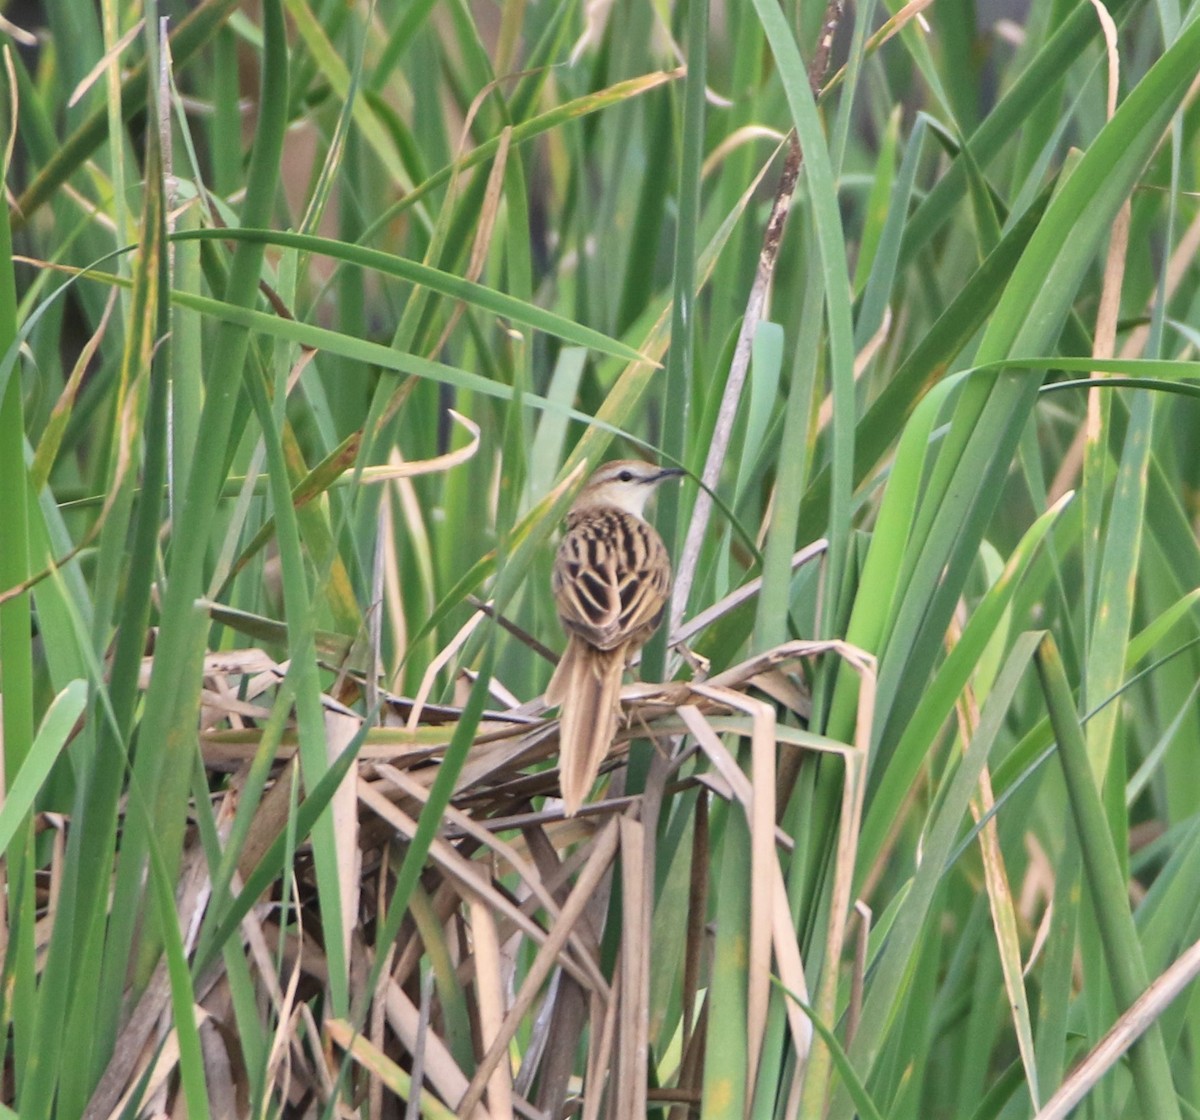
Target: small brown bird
611,580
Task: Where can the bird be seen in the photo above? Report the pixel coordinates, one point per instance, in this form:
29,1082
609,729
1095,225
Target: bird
611,581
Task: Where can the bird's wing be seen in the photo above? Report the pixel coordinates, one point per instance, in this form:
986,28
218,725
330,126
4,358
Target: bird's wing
611,579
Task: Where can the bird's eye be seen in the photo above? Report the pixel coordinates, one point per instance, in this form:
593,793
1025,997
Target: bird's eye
625,476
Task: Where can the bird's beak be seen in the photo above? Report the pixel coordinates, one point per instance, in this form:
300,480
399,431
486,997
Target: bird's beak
669,472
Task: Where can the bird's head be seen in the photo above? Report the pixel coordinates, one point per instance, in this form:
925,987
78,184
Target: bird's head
624,483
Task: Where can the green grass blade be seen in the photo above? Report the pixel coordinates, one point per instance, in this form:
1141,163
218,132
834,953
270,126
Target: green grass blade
52,737
173,696
1126,967
887,993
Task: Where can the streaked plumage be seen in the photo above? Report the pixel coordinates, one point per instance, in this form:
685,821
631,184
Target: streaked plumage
611,581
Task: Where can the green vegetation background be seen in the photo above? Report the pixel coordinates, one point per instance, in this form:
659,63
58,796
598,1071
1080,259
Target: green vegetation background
256,265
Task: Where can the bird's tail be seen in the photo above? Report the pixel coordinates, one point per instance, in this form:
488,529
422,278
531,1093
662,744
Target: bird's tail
587,683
